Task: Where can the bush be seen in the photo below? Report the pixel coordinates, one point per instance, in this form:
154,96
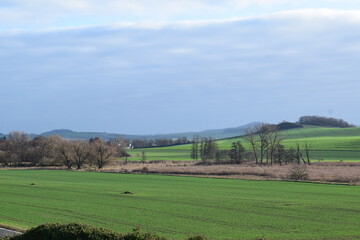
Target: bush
298,172
198,237
72,231
76,231
138,235
144,170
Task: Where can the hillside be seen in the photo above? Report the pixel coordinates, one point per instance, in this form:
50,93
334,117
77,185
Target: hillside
214,133
333,144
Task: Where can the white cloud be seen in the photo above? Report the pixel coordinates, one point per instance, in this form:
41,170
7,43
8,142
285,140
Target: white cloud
64,13
276,60
318,14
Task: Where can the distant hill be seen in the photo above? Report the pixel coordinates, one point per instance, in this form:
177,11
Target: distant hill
214,133
58,131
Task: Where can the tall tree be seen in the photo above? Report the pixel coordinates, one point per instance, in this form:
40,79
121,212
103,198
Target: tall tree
102,152
17,146
66,153
208,148
274,140
307,152
195,148
237,152
82,152
263,131
250,136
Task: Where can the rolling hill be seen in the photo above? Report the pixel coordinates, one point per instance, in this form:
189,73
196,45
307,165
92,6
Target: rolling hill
214,133
333,144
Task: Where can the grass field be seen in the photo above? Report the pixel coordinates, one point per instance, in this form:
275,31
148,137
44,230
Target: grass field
180,206
329,144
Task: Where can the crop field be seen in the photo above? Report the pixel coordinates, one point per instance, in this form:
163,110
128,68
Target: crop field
328,144
177,207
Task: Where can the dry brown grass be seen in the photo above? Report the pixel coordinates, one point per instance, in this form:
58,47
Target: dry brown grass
322,172
331,172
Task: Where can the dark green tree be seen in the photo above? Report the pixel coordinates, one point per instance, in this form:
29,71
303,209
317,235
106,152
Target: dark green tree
195,148
237,152
208,148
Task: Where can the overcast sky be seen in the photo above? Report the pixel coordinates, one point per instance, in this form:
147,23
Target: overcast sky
161,66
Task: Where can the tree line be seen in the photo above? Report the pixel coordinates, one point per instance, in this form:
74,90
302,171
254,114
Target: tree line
206,150
265,148
17,149
324,121
158,142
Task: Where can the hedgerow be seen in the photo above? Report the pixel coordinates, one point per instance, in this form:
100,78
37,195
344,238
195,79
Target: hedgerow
76,231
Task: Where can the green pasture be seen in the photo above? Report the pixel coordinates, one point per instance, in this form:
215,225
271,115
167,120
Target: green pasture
177,207
326,144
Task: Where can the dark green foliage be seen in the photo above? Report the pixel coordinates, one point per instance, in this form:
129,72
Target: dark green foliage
324,121
288,125
136,234
208,148
237,152
222,155
195,148
71,231
198,237
76,231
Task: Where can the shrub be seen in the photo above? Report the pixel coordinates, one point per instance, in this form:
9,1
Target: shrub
72,231
76,231
198,237
136,234
298,172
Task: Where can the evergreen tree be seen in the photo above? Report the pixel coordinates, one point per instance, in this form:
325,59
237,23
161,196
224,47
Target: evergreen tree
237,152
195,148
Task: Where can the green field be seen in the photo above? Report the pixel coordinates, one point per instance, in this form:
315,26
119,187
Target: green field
329,144
177,207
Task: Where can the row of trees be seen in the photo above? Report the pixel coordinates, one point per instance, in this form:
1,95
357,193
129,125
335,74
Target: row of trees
158,142
324,121
265,142
265,148
18,150
207,150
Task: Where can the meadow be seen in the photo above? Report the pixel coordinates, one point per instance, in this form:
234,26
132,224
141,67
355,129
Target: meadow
177,207
326,144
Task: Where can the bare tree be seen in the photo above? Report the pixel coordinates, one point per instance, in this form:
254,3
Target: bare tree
3,158
82,152
102,152
17,146
43,149
66,153
264,140
250,136
274,141
263,132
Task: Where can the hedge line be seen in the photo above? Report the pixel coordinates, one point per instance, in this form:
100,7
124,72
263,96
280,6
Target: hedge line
76,231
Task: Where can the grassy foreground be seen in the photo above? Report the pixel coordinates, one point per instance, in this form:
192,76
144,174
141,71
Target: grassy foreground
329,144
177,207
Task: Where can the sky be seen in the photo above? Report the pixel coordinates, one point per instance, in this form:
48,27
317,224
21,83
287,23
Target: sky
161,66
